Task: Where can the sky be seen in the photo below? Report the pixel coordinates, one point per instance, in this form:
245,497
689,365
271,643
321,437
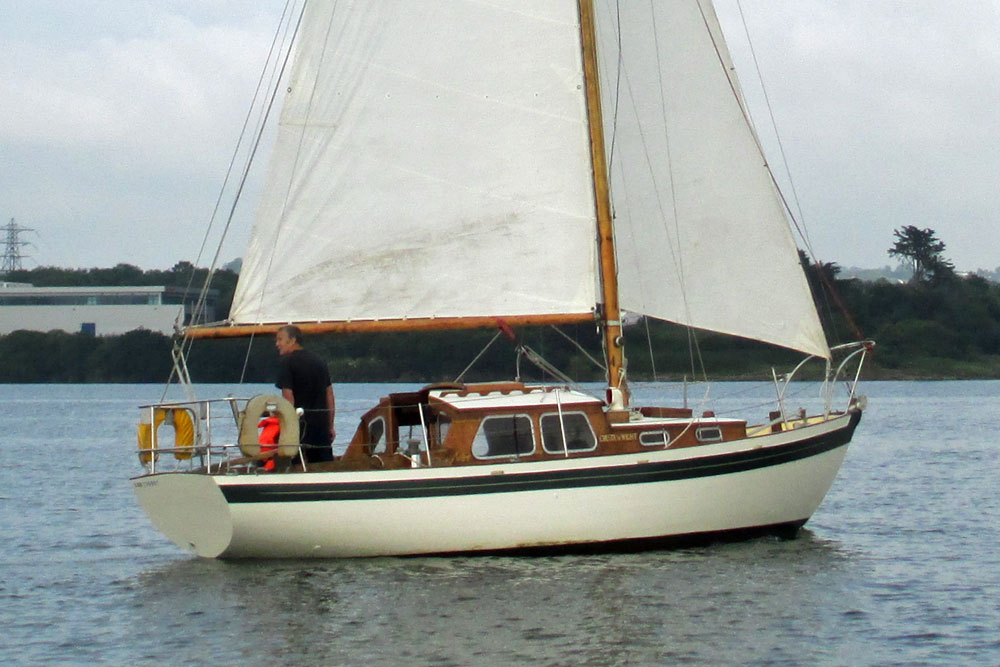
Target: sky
118,119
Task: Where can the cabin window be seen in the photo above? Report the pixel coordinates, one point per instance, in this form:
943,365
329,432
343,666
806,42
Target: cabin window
376,435
709,434
579,434
654,439
504,436
443,425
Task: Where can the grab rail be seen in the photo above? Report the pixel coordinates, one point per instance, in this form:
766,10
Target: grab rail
831,376
202,446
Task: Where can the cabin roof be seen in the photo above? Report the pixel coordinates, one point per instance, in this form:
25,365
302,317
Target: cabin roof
529,397
646,422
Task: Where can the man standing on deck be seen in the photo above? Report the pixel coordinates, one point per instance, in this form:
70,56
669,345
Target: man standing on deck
304,381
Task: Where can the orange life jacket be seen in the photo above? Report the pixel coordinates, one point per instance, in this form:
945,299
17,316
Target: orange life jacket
271,429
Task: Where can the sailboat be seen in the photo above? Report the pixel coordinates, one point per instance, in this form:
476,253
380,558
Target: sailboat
450,164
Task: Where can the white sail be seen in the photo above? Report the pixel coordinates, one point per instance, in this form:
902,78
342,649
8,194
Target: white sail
701,236
432,160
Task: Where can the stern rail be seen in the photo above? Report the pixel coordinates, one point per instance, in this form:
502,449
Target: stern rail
205,436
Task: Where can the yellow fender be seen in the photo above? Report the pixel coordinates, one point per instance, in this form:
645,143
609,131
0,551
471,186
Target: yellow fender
257,407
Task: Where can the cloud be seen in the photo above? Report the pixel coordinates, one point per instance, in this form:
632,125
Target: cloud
164,96
889,116
120,116
126,127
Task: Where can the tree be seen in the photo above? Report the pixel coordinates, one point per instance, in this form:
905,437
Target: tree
921,249
818,273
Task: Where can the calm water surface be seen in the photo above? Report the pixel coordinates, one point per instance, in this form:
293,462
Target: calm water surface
899,565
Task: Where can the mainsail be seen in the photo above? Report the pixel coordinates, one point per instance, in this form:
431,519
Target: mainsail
433,161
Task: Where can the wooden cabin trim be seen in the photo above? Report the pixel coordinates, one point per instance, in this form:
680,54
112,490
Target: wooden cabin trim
612,437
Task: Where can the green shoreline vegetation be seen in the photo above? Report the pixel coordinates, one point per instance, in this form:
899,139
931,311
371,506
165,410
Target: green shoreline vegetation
940,326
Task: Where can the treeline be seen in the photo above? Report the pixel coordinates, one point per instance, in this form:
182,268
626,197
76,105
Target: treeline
145,356
944,327
137,356
947,327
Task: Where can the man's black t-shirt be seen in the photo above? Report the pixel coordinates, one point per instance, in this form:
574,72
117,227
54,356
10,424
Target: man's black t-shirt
308,378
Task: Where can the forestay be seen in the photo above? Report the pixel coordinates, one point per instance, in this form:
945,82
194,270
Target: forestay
432,160
700,233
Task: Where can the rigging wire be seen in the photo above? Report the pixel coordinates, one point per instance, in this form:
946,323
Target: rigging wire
798,222
649,343
478,356
261,120
618,83
580,348
298,149
675,247
277,46
610,164
611,156
201,304
799,227
546,367
277,76
694,348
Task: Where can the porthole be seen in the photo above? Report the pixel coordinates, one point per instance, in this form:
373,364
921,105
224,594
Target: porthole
654,439
708,434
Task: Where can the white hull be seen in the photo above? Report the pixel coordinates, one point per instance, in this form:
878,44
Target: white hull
776,480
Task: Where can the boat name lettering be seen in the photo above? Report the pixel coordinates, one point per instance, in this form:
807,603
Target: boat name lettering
617,437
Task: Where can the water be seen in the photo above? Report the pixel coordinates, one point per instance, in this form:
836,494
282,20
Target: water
899,565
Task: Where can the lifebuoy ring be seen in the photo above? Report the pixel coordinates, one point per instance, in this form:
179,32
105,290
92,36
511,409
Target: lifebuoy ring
184,432
183,422
269,405
147,426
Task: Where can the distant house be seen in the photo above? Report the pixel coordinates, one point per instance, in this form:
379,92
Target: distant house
101,311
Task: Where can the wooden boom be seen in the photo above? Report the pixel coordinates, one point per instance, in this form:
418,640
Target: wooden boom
374,326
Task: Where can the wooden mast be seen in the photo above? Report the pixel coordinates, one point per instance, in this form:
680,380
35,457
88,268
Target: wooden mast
611,320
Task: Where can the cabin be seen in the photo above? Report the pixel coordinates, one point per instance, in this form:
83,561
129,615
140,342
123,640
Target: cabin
503,422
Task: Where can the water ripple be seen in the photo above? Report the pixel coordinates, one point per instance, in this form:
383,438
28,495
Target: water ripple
898,566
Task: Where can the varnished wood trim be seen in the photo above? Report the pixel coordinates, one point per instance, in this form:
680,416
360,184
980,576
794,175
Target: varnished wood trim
375,326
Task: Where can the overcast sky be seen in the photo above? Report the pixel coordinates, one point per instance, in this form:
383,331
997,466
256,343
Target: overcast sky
118,118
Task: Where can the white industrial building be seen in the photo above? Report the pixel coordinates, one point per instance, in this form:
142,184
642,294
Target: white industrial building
101,311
